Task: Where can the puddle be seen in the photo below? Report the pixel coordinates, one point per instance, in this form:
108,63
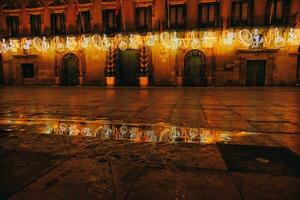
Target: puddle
103,129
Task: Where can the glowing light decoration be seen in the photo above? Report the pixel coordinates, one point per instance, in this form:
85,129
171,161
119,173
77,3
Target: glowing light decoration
245,37
163,37
175,41
3,46
169,41
73,130
195,42
41,45
279,40
86,132
193,133
63,127
45,44
106,43
228,37
97,41
209,39
84,41
268,37
26,44
271,38
71,43
13,46
292,37
257,39
123,130
150,39
134,41
58,44
122,45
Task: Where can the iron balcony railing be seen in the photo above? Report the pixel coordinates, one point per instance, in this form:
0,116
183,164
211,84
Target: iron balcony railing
263,20
189,24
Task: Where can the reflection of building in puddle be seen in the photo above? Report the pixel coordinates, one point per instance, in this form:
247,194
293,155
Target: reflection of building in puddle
144,133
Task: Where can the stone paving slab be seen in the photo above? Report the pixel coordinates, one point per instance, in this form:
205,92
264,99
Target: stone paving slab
244,124
254,186
260,159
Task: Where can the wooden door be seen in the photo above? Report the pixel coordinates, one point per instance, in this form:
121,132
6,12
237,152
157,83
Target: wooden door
255,72
128,68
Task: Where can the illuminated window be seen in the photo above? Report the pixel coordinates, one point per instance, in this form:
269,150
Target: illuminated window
143,18
13,25
35,24
209,14
83,22
58,23
177,16
27,70
111,20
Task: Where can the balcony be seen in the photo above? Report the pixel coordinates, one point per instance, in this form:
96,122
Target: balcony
218,23
146,27
263,20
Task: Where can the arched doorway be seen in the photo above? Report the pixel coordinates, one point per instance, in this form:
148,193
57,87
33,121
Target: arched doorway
1,71
194,69
128,68
70,70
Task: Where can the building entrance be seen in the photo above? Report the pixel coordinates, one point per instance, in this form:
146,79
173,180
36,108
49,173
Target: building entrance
128,68
255,73
194,69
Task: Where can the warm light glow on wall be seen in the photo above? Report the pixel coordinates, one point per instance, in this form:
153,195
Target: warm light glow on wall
245,38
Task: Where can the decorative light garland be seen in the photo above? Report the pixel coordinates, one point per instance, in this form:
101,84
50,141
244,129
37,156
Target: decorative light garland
279,40
228,37
245,37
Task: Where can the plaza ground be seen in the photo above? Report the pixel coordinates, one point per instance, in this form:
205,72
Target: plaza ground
252,152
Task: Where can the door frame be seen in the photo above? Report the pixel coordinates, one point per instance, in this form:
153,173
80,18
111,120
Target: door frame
65,59
265,71
119,68
195,52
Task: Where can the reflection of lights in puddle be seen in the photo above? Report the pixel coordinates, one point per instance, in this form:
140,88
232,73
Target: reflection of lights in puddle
135,132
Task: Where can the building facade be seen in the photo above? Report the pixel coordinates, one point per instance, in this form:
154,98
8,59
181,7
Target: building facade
150,42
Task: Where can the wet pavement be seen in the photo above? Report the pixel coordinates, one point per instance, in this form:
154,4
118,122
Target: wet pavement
151,143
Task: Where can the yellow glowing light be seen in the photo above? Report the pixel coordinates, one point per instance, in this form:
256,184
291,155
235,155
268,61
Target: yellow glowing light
3,46
195,42
26,44
175,41
41,45
150,39
165,40
84,41
245,37
251,39
134,41
257,39
228,37
279,40
292,37
268,37
97,41
209,39
122,44
169,41
71,43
